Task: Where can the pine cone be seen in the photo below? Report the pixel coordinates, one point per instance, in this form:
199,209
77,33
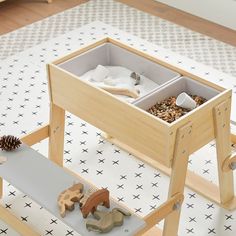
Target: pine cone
9,142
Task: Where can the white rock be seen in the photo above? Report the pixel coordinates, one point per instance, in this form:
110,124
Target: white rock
100,73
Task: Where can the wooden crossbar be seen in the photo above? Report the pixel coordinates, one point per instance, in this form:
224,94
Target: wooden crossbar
36,136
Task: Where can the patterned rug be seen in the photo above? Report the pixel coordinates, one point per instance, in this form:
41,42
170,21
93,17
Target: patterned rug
24,107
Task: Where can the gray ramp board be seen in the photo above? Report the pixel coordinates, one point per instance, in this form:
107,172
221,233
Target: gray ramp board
43,181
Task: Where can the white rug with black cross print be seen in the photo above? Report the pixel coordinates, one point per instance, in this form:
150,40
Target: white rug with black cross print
24,107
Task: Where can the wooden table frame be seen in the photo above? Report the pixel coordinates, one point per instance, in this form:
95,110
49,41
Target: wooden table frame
63,98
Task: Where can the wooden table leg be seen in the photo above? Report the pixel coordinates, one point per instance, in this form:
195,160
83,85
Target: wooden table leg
223,148
56,134
178,176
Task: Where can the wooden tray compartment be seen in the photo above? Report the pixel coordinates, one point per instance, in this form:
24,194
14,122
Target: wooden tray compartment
127,123
108,54
202,117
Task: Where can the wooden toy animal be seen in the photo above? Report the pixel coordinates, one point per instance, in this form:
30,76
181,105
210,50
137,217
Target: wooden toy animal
67,199
88,193
95,199
106,221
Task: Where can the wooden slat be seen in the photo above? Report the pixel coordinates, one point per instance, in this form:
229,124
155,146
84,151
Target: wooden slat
36,136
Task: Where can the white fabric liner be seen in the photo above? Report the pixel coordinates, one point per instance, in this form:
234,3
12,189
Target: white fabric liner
180,85
121,76
121,62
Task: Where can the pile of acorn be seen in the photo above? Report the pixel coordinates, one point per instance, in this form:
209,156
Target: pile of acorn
168,111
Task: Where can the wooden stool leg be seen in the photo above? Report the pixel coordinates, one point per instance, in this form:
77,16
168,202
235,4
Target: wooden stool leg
178,176
223,148
56,134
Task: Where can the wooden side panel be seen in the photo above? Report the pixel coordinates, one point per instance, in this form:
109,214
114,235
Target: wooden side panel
202,121
127,123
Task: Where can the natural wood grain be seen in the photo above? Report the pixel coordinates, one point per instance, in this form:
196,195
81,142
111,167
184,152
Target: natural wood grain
126,123
233,138
36,136
18,13
223,149
153,232
184,19
56,134
178,175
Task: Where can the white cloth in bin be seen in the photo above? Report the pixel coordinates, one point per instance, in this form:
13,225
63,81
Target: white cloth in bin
120,77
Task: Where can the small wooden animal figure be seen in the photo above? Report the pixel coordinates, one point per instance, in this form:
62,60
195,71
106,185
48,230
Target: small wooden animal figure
86,196
67,199
95,199
106,221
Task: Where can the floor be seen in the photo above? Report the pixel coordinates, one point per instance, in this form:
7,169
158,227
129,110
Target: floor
24,106
15,14
184,19
18,13
191,44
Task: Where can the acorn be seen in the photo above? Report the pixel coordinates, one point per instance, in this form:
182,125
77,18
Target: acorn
9,142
